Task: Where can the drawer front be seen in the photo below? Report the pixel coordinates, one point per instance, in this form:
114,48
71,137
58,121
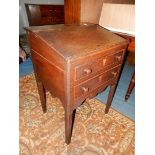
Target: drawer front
88,86
99,64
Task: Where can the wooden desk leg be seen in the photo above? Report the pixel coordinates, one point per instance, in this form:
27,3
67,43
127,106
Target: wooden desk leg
68,125
42,94
131,86
110,98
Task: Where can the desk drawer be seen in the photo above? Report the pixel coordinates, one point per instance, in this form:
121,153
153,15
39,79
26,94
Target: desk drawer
99,64
90,85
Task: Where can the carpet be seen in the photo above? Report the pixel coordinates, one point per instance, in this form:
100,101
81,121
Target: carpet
94,133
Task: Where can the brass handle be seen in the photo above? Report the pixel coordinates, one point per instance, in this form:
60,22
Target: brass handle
100,78
114,74
118,58
85,89
104,61
87,70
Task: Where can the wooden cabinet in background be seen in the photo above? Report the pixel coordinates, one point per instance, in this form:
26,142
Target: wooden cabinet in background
45,14
87,10
82,11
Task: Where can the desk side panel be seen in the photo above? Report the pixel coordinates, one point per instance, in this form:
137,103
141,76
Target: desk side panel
49,66
43,48
52,77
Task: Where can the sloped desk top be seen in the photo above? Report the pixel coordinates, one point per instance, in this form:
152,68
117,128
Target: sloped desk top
76,39
75,62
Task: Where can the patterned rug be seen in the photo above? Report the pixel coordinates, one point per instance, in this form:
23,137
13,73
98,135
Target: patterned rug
94,133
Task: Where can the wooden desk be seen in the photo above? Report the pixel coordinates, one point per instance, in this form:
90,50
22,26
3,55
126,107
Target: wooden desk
131,38
131,49
75,62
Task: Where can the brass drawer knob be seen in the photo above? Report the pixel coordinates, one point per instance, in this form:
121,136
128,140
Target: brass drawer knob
114,74
85,89
118,58
100,78
87,70
104,62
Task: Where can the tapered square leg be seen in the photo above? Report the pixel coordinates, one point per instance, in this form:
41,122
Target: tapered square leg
131,86
69,118
42,94
110,98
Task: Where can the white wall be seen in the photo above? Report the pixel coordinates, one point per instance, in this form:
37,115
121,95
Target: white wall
23,21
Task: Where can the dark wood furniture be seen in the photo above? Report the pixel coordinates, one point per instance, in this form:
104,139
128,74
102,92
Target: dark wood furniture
41,14
75,62
130,49
87,10
82,11
130,87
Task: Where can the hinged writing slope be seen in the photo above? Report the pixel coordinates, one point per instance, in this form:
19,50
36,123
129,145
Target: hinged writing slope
75,62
